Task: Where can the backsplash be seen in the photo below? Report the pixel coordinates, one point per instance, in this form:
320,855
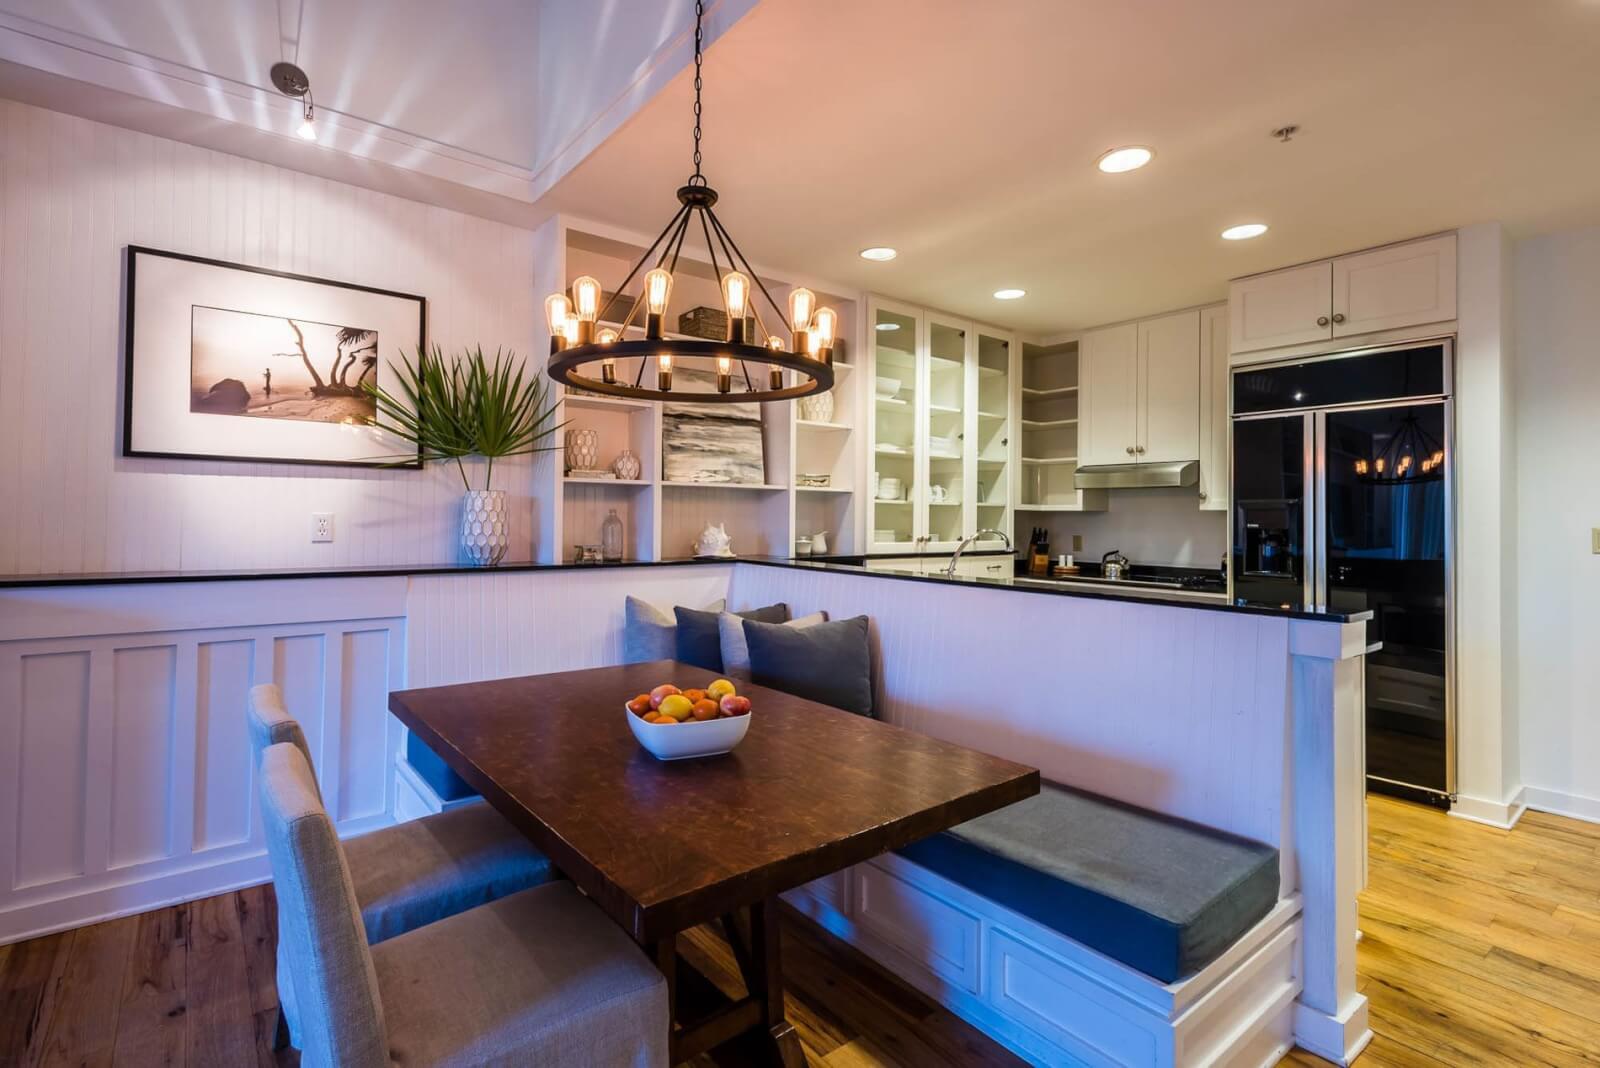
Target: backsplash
1150,526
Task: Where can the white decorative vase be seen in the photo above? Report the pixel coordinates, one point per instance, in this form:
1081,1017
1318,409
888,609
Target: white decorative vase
583,449
485,531
817,407
626,465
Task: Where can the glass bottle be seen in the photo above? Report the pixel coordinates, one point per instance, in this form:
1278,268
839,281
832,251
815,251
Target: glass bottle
611,538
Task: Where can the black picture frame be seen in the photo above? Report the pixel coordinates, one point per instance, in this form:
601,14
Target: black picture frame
131,257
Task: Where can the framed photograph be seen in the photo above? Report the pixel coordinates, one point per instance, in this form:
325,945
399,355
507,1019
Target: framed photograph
710,444
228,362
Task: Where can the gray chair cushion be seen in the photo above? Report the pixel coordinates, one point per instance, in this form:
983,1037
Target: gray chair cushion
462,991
830,663
736,651
698,640
323,947
1158,894
648,633
421,871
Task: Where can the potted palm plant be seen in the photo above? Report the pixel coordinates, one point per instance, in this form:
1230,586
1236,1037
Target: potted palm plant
463,406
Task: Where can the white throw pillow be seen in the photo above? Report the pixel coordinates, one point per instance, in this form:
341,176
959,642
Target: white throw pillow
736,652
648,633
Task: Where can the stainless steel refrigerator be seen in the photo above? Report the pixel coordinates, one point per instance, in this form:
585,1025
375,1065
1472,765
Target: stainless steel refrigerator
1342,501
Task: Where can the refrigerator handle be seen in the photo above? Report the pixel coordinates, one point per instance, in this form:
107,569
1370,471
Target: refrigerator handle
1318,499
1308,531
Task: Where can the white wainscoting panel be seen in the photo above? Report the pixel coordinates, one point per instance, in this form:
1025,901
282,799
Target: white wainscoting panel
1184,711
73,194
484,626
131,782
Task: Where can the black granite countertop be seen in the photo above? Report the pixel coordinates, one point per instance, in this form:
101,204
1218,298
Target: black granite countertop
850,565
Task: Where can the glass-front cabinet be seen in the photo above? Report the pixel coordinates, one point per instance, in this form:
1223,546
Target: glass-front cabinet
943,441
892,517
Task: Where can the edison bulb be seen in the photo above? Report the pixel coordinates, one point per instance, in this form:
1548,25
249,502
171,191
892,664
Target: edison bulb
570,329
556,309
822,326
586,296
606,336
657,290
802,304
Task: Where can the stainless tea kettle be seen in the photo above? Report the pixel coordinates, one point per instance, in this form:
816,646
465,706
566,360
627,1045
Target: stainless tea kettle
1114,566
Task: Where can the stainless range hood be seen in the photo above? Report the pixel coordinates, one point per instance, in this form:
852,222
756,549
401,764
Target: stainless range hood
1139,476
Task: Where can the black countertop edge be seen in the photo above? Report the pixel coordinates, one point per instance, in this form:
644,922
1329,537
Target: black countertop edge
832,565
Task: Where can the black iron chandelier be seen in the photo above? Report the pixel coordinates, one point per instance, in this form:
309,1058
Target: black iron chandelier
1412,455
578,336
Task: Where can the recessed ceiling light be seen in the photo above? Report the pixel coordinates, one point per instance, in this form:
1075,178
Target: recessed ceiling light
879,253
1009,294
1129,158
888,326
1244,231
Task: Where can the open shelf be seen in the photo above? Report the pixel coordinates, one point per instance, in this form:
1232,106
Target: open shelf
1042,460
1047,424
823,489
758,487
813,424
624,482
625,404
1041,394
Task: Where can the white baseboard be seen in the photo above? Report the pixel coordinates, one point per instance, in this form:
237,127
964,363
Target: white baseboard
1501,814
1339,1039
1557,803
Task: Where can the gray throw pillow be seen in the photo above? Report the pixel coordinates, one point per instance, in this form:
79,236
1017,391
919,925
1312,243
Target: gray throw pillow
736,651
648,633
700,644
830,663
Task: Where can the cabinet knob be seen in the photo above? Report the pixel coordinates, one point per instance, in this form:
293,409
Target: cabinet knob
1130,450
1139,450
1005,441
1322,320
1338,317
1202,495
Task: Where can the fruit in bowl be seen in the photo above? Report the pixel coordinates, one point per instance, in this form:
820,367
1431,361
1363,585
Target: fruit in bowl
714,720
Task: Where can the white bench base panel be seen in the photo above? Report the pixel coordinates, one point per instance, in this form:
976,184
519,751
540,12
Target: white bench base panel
1054,1001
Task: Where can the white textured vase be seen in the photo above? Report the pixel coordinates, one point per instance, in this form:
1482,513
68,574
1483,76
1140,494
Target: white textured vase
485,530
583,449
626,465
817,407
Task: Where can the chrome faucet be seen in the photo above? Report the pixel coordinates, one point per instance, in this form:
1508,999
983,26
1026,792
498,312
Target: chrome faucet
950,572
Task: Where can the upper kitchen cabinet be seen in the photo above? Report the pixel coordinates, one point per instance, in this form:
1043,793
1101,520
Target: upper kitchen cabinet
1108,430
1169,389
1140,398
1393,287
1214,417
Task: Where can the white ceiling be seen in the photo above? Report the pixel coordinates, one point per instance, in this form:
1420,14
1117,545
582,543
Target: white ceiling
462,75
965,135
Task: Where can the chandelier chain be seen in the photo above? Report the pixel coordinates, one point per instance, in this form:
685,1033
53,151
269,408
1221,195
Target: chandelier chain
699,14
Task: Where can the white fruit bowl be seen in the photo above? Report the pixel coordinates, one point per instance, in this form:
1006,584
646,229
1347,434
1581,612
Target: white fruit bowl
693,738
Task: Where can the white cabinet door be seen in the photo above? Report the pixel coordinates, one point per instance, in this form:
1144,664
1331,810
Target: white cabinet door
1108,395
1288,307
1169,388
1401,285
1214,419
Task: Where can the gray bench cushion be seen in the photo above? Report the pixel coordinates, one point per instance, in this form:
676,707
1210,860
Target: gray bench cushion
421,871
538,978
1160,895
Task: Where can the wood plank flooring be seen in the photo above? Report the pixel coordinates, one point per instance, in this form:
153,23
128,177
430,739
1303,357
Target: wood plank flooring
1481,947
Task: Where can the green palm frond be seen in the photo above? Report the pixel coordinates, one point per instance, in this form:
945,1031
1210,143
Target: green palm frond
465,405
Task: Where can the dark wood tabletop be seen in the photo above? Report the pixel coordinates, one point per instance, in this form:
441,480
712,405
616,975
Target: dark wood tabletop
663,846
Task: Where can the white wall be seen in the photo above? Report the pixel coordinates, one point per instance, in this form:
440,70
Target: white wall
1558,502
1151,526
73,193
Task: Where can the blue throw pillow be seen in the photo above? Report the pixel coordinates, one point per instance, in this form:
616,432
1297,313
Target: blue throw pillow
699,639
435,772
830,663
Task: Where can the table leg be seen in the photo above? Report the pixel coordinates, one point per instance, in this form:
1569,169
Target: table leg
766,982
665,955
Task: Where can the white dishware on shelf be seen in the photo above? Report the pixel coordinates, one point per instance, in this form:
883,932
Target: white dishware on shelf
691,738
887,387
819,543
802,546
889,488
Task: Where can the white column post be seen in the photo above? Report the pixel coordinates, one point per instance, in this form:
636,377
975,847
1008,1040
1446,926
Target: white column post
1327,795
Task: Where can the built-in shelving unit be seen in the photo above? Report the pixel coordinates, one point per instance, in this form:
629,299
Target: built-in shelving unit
662,518
1049,425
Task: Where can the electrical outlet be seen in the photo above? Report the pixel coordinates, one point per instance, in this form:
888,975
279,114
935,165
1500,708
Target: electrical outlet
1077,543
321,526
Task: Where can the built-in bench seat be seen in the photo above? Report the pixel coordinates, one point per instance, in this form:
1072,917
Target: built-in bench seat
1160,895
1079,931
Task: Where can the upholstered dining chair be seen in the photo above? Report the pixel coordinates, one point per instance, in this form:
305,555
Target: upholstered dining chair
540,977
413,873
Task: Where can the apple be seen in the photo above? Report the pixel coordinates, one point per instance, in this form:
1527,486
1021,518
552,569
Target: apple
705,709
720,689
661,693
640,705
734,705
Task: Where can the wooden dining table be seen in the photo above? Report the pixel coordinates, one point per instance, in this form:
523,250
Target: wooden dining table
664,846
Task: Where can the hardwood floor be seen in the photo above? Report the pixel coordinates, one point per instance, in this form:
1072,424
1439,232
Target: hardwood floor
1481,947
